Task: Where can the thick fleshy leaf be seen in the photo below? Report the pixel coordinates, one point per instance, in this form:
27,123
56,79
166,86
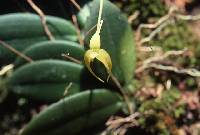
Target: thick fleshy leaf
51,50
46,80
76,113
21,30
116,38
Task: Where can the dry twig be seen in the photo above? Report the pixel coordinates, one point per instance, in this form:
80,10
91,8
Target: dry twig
9,47
158,26
88,32
117,83
154,32
188,17
74,19
119,120
67,89
192,72
71,58
150,63
43,19
161,23
5,69
132,17
155,25
147,62
119,125
76,4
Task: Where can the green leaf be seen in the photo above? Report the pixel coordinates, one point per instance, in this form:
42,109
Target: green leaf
46,80
47,71
116,39
51,50
48,92
75,113
21,30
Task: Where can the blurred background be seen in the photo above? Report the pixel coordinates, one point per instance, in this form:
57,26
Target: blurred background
178,35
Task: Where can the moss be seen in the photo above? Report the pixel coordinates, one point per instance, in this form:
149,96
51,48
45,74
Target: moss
176,37
147,9
167,99
160,114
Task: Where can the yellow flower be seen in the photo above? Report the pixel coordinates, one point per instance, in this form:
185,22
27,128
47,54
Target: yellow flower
95,51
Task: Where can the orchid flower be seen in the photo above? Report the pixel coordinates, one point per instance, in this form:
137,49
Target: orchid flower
95,51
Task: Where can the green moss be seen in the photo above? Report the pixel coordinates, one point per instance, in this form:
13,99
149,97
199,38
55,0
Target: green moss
167,99
160,114
176,37
147,9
